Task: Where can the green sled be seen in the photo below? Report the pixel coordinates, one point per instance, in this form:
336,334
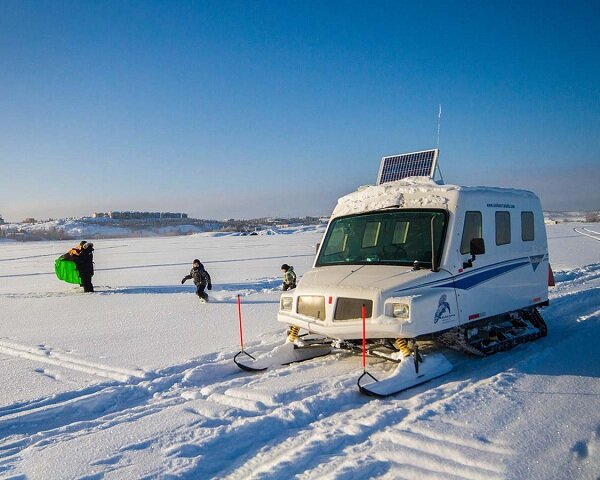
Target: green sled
66,270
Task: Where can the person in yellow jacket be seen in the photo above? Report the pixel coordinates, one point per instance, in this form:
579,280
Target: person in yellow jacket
75,251
73,255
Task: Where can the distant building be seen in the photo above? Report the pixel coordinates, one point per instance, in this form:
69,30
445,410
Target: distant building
126,215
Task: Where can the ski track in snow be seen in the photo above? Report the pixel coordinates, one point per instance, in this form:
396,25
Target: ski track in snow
588,232
304,420
41,354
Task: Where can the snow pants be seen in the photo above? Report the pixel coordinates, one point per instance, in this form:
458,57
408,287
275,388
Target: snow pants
200,291
86,283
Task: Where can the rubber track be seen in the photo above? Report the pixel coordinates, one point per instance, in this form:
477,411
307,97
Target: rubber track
458,340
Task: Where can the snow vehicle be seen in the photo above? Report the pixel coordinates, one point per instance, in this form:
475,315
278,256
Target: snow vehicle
417,261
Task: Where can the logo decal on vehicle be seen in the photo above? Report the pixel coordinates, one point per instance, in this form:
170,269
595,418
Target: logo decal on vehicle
443,311
536,260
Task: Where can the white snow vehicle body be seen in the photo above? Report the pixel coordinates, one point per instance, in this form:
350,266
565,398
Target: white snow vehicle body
408,261
425,259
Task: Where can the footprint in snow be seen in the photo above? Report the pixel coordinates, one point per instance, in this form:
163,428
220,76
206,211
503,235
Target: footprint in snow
108,460
584,449
186,451
47,373
580,450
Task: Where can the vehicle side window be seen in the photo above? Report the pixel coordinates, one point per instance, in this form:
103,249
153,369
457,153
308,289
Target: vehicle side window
472,229
527,229
502,228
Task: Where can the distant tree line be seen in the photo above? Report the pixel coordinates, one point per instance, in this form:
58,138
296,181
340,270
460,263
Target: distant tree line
162,226
592,217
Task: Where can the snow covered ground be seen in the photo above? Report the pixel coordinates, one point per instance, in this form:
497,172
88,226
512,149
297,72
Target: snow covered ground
137,380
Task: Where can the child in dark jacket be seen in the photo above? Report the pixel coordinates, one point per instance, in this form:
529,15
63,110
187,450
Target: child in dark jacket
85,266
289,277
201,280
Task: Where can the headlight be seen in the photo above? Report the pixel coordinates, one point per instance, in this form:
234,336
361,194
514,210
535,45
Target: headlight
286,303
400,310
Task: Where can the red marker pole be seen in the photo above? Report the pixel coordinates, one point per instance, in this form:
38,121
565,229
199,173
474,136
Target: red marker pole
239,302
364,337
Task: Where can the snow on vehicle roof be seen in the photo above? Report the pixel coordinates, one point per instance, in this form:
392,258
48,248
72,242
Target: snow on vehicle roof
410,192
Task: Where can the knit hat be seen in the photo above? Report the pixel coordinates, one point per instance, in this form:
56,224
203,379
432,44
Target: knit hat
285,267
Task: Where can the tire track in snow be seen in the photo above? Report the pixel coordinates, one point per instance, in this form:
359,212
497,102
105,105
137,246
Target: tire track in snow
182,454
59,418
308,452
244,438
444,454
286,439
50,400
58,359
62,414
132,394
588,233
296,453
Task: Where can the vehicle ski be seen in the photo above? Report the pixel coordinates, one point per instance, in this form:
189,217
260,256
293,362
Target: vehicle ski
409,373
284,354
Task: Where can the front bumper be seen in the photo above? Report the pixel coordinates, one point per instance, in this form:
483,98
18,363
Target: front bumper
342,325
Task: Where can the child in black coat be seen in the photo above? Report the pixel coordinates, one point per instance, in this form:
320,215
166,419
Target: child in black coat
85,266
201,280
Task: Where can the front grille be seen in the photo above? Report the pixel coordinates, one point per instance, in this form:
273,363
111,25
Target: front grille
351,308
312,306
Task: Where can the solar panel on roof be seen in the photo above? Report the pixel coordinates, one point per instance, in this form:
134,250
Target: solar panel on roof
416,164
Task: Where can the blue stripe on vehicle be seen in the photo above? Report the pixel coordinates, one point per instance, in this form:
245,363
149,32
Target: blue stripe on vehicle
470,279
473,280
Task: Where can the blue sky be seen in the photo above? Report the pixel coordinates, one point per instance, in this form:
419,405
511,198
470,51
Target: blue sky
251,108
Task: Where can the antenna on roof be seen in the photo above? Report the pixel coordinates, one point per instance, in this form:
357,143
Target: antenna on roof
437,145
437,165
416,164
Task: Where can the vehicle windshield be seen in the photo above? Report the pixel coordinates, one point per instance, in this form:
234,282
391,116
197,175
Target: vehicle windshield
394,237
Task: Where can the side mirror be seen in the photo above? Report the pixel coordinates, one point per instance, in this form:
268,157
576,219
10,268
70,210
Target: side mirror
477,246
317,248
